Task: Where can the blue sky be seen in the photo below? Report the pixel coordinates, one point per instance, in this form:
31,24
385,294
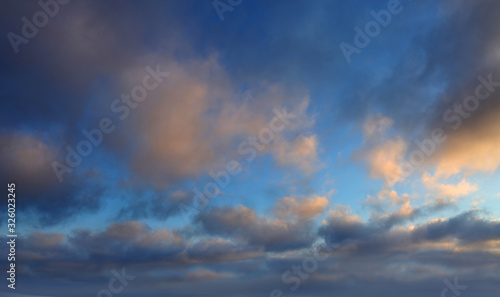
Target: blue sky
116,113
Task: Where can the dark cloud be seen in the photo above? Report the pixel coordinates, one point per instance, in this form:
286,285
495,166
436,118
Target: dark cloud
243,224
86,255
26,160
409,258
467,229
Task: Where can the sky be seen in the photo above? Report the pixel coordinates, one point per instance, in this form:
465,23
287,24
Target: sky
251,148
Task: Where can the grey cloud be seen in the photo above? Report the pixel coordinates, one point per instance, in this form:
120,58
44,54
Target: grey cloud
243,224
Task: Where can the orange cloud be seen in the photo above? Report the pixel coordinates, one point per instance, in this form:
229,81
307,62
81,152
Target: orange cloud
300,153
384,160
304,208
448,190
473,147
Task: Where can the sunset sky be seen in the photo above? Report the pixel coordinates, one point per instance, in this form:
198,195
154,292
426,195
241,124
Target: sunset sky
245,148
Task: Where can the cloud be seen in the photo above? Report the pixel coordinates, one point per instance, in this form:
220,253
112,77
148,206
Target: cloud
218,250
207,275
243,224
47,240
385,160
399,255
448,190
385,195
382,153
194,121
467,228
341,226
27,159
473,147
301,153
186,127
375,126
304,208
415,96
82,254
